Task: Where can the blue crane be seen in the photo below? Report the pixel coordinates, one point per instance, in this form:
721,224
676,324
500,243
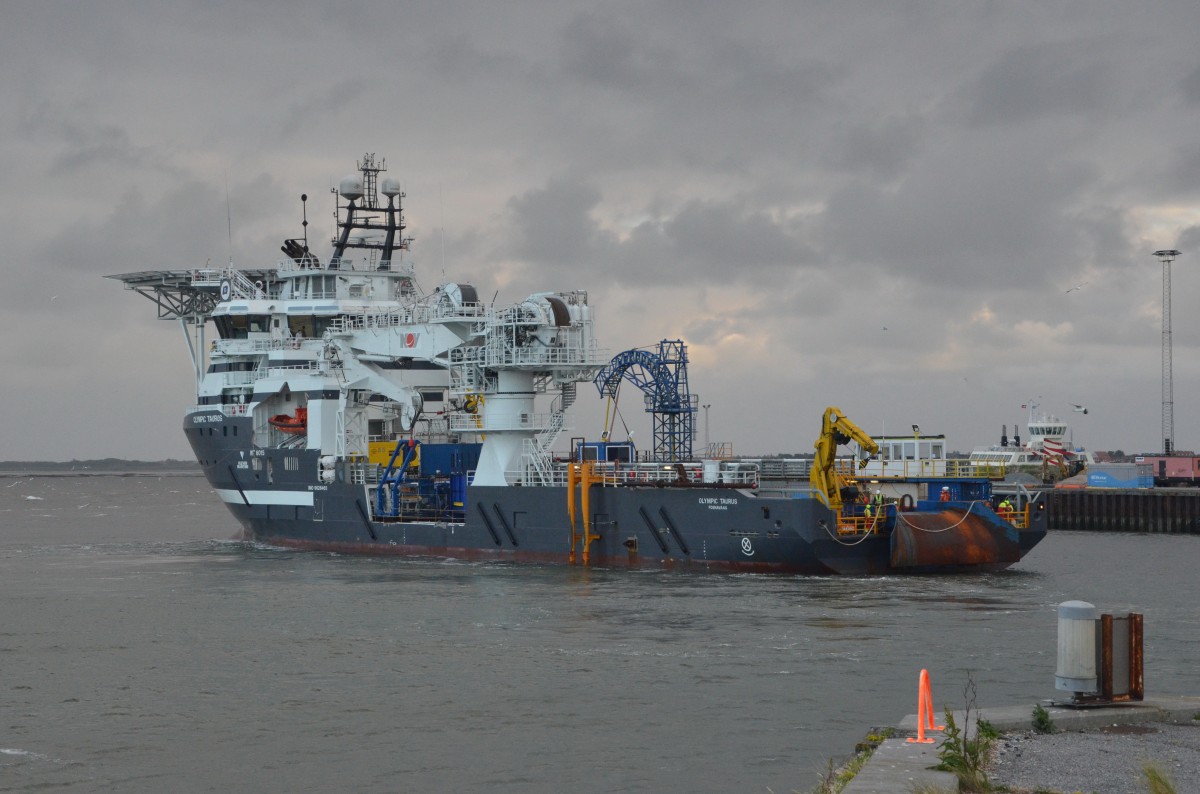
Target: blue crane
662,377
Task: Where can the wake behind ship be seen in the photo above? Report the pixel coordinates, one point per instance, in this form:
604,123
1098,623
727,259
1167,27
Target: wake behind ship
341,407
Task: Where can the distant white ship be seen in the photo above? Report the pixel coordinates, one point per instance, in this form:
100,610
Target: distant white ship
1047,442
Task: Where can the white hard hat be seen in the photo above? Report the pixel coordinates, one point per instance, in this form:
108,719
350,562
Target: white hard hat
945,487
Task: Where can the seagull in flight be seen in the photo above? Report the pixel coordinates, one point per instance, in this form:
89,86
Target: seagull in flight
1079,409
1080,285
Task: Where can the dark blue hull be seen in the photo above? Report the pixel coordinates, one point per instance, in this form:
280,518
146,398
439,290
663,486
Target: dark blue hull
279,499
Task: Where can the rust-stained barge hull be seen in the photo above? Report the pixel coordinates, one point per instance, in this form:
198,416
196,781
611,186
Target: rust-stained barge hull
950,538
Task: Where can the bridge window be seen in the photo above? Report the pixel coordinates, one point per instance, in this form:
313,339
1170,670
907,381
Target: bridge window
240,325
302,326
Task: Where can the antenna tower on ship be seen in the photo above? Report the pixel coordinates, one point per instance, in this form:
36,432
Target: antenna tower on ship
1167,256
370,172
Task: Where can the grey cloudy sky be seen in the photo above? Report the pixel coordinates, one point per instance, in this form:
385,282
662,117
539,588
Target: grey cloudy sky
880,206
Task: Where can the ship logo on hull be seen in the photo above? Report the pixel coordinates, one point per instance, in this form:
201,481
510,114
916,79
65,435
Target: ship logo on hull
747,547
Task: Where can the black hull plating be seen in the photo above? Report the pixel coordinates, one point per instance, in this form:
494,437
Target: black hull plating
691,527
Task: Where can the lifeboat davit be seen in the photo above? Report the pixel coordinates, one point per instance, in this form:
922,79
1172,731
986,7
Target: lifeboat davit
291,424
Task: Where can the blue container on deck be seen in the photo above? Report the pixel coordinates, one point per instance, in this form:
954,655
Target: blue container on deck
1120,475
445,459
458,491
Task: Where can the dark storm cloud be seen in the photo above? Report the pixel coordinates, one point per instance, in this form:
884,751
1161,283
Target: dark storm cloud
878,148
183,228
977,213
768,178
1039,80
641,89
1190,85
1106,239
726,237
458,57
602,50
1189,240
701,242
83,142
553,225
331,101
1181,173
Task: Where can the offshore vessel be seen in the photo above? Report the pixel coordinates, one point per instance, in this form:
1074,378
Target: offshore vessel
341,407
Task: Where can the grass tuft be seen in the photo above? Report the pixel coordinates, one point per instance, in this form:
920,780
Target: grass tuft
834,779
968,757
1041,720
1157,781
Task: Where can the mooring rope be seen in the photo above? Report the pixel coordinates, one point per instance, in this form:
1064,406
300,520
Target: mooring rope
943,529
867,534
875,520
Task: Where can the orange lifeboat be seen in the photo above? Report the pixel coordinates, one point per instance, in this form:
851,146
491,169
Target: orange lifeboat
291,424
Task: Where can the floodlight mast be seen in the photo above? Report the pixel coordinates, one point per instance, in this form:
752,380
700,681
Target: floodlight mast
1167,256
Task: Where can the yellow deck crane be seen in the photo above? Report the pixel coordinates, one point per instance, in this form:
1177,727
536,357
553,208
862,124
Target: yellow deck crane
836,430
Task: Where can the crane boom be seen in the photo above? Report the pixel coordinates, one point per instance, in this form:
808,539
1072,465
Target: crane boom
836,430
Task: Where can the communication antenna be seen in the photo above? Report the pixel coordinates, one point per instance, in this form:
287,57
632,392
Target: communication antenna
1167,256
304,213
228,219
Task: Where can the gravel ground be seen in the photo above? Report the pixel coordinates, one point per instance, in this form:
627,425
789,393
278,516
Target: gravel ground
1108,761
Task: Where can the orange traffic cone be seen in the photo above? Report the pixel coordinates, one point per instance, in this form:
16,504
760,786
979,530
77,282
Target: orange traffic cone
925,719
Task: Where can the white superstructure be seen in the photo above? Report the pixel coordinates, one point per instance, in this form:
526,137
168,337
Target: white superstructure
1047,440
335,354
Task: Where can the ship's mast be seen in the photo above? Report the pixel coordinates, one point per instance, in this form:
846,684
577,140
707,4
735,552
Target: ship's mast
363,212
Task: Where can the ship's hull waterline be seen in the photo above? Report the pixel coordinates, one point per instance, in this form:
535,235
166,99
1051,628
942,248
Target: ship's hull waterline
690,527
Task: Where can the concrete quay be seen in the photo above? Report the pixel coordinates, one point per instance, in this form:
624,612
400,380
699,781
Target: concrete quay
898,766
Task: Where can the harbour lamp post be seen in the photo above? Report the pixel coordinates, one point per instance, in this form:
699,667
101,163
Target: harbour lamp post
1167,256
706,407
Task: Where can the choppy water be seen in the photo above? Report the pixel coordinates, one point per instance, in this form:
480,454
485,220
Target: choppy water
140,651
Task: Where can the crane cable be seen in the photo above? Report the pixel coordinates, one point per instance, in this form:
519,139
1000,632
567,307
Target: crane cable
614,402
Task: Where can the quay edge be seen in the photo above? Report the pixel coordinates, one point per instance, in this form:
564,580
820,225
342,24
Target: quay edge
897,765
1150,510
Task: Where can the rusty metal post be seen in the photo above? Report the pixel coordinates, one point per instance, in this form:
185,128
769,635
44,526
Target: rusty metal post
1106,657
1136,684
